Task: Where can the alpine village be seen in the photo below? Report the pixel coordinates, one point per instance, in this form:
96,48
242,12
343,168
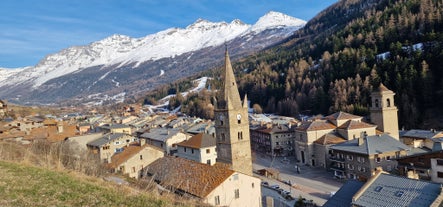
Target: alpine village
346,110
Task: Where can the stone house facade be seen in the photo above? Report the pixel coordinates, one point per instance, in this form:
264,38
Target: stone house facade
358,158
275,139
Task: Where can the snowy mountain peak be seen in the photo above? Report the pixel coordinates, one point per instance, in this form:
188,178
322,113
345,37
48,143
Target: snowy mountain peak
118,50
275,20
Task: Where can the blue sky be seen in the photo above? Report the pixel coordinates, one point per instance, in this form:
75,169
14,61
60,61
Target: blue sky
32,29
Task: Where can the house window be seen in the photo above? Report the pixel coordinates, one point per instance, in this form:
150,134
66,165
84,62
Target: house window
208,151
141,157
388,158
208,162
184,149
253,185
440,174
350,157
133,169
117,143
235,176
350,167
106,147
192,151
439,162
377,159
217,200
237,193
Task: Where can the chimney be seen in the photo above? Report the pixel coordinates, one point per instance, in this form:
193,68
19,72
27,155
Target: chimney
361,141
142,141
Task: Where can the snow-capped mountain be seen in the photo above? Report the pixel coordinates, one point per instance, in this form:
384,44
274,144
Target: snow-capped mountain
120,54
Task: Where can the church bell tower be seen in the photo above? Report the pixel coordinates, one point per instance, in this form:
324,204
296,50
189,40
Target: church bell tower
232,124
383,111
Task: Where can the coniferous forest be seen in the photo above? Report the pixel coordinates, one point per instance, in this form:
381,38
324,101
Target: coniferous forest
335,61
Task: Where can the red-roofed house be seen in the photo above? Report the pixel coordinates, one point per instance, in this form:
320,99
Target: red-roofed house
215,185
134,158
200,148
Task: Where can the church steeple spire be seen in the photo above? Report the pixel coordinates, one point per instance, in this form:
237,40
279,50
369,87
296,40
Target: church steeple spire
231,97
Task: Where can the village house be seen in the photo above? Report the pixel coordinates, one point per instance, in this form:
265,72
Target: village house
357,158
275,139
206,127
134,158
165,138
424,166
216,185
109,144
200,148
384,189
424,139
116,128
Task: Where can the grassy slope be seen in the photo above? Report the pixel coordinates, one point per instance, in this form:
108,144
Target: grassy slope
30,186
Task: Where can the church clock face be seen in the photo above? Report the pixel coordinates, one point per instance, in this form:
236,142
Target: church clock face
238,116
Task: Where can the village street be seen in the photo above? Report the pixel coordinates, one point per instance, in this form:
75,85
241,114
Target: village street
314,184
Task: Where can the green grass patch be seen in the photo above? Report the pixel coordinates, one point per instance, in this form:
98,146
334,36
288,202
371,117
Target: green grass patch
31,186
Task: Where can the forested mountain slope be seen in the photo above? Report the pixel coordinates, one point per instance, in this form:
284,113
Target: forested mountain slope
346,50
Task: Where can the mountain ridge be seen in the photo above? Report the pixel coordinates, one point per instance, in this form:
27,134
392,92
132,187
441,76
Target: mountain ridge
121,51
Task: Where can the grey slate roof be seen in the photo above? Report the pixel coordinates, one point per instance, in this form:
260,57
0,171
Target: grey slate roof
390,190
115,126
372,145
343,197
105,139
424,134
160,134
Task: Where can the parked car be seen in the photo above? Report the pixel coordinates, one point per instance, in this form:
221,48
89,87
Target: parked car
284,192
264,183
276,187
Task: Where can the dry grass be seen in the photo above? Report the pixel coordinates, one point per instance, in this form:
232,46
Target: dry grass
22,185
29,178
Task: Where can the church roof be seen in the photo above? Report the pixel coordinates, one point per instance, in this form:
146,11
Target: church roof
342,116
330,138
351,124
199,141
315,125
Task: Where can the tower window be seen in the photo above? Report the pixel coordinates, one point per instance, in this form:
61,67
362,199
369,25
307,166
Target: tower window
221,123
239,121
388,102
223,137
240,135
376,103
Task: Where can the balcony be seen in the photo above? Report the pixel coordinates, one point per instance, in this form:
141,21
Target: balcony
337,159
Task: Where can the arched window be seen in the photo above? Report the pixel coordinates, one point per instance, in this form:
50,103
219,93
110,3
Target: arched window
388,102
